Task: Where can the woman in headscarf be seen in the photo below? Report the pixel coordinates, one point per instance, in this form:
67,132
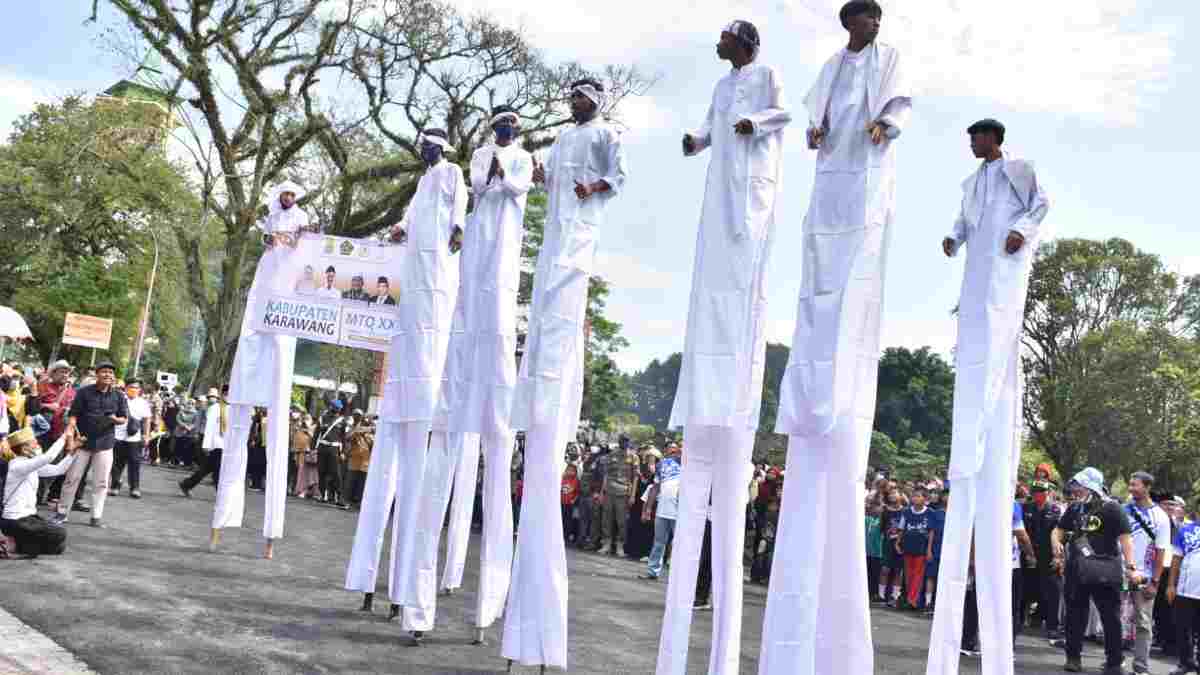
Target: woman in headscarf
306,458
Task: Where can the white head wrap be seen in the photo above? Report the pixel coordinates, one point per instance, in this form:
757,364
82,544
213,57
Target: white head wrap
508,114
589,91
285,186
438,141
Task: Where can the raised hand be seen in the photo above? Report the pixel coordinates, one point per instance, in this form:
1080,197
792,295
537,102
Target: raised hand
948,247
495,171
539,171
456,240
689,145
815,138
877,130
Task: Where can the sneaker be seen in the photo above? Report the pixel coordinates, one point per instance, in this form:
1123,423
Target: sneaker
58,519
648,577
1073,665
186,492
970,653
81,507
135,494
113,492
98,524
644,559
701,606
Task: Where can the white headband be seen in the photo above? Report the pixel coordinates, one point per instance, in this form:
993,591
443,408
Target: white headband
438,141
590,92
505,115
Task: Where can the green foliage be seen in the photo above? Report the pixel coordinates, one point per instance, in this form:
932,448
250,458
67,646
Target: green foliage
82,186
910,461
1111,361
916,399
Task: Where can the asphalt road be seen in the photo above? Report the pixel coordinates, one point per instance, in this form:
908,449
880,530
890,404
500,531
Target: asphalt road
145,596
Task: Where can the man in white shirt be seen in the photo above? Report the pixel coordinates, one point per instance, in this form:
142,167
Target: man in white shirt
328,290
666,491
132,439
18,505
1150,529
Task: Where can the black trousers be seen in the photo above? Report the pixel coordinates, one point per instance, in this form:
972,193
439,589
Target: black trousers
185,450
1018,600
127,454
1186,612
1108,603
329,468
704,575
35,536
1049,594
211,465
970,636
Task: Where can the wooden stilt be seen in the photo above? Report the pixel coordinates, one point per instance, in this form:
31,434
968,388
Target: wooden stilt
214,540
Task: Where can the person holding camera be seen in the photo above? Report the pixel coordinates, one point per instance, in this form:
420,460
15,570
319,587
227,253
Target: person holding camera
18,503
96,412
1093,550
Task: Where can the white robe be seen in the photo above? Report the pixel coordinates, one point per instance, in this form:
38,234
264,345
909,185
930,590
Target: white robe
720,383
817,619
1000,197
462,507
550,385
481,372
417,359
416,362
262,376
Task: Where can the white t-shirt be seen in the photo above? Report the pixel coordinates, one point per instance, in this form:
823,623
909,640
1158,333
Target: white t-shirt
1144,554
139,410
1187,546
667,477
1018,525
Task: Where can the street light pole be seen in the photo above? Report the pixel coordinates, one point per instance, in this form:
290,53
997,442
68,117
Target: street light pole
137,361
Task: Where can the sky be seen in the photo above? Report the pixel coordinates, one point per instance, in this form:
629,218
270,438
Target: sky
1095,93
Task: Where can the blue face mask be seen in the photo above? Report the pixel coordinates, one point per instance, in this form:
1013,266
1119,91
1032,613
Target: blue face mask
505,132
431,154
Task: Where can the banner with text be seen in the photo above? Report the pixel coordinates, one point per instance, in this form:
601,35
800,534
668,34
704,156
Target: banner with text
330,289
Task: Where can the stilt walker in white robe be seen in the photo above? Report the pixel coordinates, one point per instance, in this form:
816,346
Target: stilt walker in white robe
432,227
462,508
817,620
481,376
720,383
1002,209
262,376
586,169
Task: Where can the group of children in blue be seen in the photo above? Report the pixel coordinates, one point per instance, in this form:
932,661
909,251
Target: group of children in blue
904,548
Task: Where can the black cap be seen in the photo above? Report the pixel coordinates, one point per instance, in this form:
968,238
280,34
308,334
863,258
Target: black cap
745,32
988,124
440,133
105,364
856,7
503,110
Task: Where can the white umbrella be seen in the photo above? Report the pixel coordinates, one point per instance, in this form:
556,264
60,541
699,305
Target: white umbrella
12,326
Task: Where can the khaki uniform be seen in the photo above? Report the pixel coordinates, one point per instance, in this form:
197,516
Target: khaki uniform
616,502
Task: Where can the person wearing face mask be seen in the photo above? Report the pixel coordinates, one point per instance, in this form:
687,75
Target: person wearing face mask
475,402
1041,519
262,377
432,229
585,171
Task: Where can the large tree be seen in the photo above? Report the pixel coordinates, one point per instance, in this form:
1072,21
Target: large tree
1111,359
84,187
